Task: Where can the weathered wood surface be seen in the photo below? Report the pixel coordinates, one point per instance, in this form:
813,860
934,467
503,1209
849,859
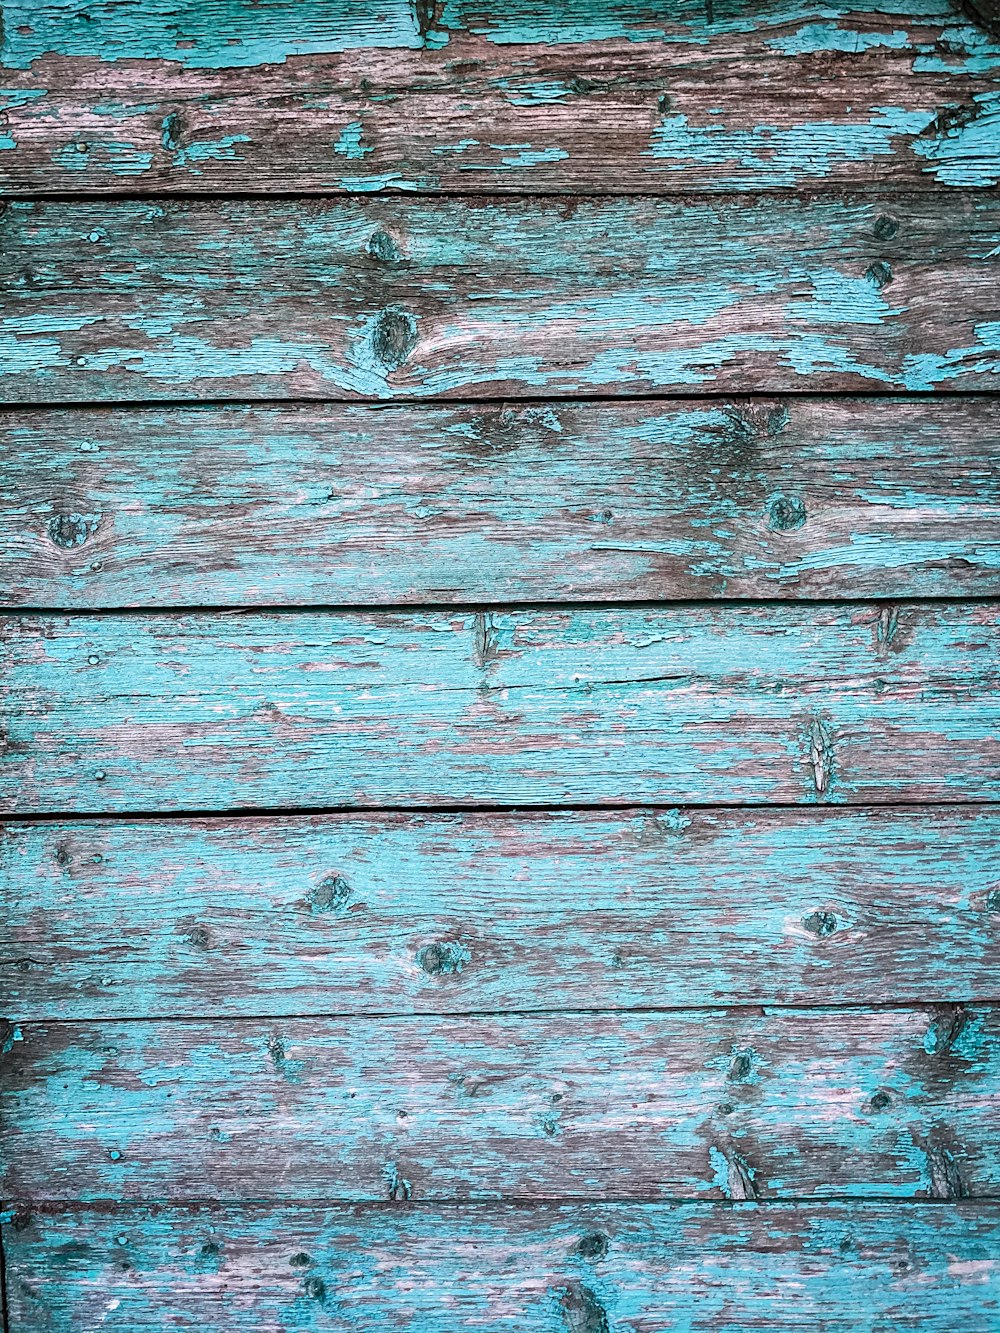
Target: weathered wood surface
896,1103
219,34
651,1268
455,298
704,704
346,504
427,1014
398,914
157,98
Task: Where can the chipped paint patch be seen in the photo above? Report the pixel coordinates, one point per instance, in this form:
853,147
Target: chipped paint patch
523,155
964,150
216,150
814,38
349,144
117,157
771,155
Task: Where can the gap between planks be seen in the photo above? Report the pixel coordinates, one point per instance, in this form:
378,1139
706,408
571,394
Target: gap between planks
818,191
137,405
60,1207
140,405
549,1011
14,610
232,813
337,1203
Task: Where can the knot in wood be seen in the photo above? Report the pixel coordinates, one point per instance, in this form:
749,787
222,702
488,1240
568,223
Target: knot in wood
394,337
787,513
71,530
383,248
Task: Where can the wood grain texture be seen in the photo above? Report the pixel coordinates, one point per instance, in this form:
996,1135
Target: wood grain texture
702,704
895,1103
652,1268
157,98
220,34
233,506
445,914
467,298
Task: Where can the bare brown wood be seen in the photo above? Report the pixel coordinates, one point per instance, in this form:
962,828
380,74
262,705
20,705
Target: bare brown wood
341,504
763,97
445,914
574,124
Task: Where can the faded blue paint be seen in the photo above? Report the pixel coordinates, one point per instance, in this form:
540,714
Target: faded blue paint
765,156
10,100
523,155
840,299
736,704
967,154
117,157
386,180
591,705
15,97
823,37
216,150
534,92
770,155
462,146
11,1037
927,371
439,914
679,514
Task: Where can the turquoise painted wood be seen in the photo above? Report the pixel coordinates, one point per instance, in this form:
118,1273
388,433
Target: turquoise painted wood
543,1269
456,913
223,34
587,98
516,848
701,1104
235,506
447,298
733,704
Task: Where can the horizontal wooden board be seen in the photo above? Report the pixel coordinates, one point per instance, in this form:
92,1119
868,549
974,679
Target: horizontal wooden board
348,504
400,913
636,97
458,298
222,34
706,704
896,1103
651,1268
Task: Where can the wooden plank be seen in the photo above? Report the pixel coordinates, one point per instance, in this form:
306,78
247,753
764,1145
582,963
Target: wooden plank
704,704
346,504
152,99
542,1269
445,914
467,298
221,34
769,1104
